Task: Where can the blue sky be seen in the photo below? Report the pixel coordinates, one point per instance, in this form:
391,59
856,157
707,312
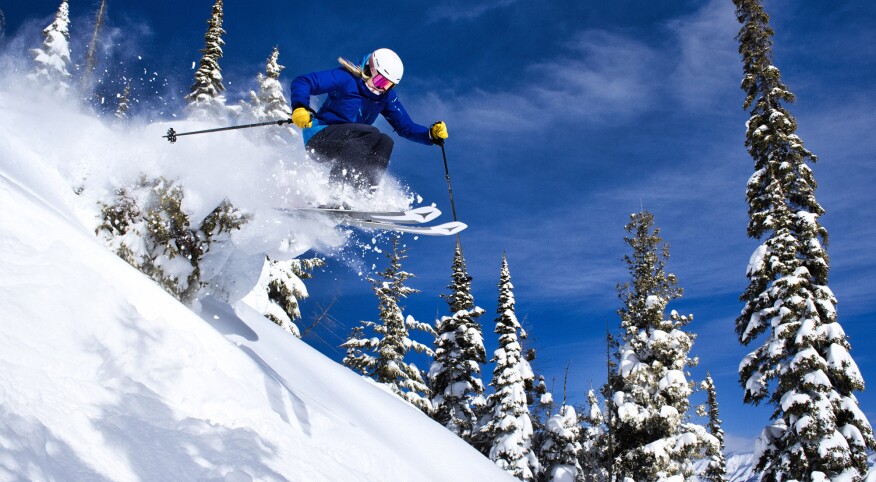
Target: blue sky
565,117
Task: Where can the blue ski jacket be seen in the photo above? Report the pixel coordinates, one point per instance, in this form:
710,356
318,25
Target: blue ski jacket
349,101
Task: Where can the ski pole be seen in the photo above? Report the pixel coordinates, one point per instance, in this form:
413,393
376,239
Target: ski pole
172,134
447,176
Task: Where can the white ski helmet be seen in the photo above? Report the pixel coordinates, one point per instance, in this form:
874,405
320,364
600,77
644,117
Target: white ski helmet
388,64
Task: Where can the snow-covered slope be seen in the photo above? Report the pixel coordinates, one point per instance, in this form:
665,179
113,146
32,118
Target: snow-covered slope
740,468
103,376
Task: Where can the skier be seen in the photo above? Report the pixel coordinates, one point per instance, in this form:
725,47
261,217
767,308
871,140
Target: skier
341,132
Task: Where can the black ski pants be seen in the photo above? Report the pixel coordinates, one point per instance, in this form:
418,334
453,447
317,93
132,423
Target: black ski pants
359,153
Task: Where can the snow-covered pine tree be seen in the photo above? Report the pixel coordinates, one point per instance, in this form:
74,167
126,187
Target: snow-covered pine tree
613,383
455,374
716,470
540,397
505,429
594,457
802,367
355,358
561,446
124,103
269,103
653,438
53,59
541,402
382,357
206,100
541,406
148,226
560,443
279,290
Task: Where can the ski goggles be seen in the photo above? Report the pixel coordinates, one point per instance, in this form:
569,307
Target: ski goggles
377,79
381,82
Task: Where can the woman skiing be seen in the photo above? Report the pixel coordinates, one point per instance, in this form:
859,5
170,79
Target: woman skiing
341,131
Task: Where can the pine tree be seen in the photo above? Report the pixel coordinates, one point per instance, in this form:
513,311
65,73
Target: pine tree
540,398
382,357
560,443
279,290
454,376
716,470
653,438
206,99
53,59
270,102
148,226
613,384
594,458
541,404
818,432
561,446
124,103
356,359
505,430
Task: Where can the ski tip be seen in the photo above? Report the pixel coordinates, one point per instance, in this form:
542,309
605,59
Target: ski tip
451,228
424,214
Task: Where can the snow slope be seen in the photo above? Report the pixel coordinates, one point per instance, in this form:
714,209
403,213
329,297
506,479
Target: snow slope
740,467
103,376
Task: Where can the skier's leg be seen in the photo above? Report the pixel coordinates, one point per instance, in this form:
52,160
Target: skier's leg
326,145
331,146
378,159
361,154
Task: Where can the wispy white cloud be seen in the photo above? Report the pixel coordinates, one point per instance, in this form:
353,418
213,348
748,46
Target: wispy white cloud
708,67
602,76
483,111
465,10
838,129
610,75
588,225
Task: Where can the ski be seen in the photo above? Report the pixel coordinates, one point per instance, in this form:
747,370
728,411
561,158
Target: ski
419,215
446,229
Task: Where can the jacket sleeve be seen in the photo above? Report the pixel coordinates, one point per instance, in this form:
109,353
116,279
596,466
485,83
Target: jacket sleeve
399,119
314,83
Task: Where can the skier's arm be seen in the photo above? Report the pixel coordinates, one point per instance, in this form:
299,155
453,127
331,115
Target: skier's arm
399,119
314,83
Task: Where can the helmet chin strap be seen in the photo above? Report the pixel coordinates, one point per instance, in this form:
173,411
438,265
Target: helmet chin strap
374,90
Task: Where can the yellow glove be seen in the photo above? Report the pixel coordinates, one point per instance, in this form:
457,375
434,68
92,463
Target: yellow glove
438,131
301,117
